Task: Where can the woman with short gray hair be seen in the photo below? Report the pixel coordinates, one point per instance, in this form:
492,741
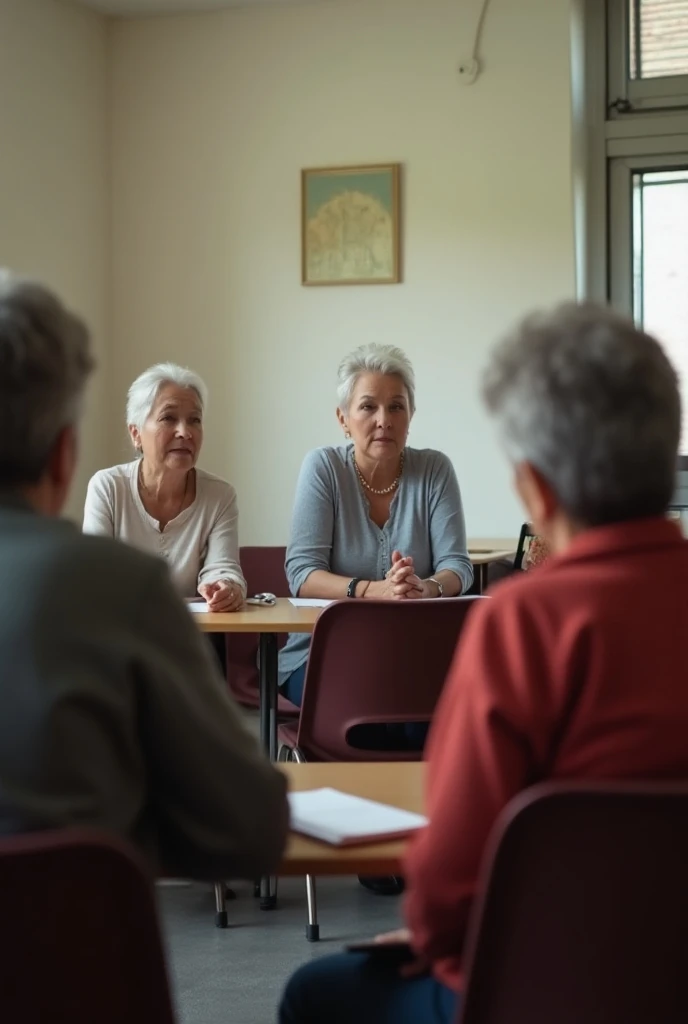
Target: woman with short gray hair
373,518
160,502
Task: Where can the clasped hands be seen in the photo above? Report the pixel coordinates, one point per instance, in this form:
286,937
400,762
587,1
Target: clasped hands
222,595
402,582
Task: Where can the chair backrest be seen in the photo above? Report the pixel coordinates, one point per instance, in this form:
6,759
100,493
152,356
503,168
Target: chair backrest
532,549
584,912
80,940
373,662
263,569
524,539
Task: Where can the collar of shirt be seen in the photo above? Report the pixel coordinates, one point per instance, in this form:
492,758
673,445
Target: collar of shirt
618,538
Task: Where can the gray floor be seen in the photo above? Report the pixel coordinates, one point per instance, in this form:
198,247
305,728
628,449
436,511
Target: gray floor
235,976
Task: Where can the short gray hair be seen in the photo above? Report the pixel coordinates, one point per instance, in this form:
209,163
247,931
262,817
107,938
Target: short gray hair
386,359
45,361
144,391
593,403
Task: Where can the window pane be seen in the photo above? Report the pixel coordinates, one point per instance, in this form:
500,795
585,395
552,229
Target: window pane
660,266
658,38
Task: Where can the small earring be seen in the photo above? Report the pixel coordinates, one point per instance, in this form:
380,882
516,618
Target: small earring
347,433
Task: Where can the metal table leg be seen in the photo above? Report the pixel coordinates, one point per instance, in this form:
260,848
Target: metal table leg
268,734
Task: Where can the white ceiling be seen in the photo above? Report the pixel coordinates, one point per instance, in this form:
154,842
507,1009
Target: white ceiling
146,7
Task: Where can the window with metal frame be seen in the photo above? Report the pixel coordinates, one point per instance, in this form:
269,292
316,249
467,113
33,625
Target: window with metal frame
648,55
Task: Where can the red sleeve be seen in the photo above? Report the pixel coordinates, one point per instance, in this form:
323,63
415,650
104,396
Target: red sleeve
480,755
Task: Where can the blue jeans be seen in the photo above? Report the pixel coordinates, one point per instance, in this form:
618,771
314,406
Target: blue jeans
351,988
409,736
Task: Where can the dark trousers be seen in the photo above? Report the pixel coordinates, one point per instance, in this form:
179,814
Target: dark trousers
351,988
409,736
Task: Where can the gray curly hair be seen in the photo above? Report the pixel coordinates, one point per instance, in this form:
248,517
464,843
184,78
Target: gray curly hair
593,403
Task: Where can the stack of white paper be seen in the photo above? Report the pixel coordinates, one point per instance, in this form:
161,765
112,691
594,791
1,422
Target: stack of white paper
197,606
345,820
309,602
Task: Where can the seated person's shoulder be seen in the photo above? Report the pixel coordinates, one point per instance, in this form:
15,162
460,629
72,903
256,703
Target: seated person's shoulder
108,481
327,462
92,571
527,595
213,489
429,461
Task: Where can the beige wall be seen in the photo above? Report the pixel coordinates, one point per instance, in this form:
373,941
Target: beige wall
213,118
54,202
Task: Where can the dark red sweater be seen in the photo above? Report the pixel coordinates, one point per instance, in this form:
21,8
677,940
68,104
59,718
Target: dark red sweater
578,670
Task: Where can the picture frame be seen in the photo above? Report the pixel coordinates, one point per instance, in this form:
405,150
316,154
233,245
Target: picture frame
351,225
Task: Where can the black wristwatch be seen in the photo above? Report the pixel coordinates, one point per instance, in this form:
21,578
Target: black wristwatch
351,589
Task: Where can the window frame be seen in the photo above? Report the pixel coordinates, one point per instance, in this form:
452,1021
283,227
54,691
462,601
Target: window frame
626,95
600,136
621,170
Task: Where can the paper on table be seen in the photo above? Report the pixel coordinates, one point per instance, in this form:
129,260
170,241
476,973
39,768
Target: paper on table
309,602
342,819
197,606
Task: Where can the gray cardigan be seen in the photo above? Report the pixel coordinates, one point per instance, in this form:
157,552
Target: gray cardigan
332,529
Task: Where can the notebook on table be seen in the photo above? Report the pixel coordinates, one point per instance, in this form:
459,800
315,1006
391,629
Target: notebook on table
342,819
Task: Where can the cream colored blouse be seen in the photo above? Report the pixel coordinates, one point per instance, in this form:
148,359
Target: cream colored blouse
200,545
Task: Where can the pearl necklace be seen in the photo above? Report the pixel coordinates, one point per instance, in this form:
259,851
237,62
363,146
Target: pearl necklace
380,490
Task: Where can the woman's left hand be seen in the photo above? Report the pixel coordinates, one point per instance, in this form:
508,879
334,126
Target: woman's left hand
222,596
419,588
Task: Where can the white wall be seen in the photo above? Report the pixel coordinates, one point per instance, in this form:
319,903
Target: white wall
213,118
54,203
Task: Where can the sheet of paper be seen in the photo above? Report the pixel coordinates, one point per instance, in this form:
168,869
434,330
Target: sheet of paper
197,606
343,819
309,602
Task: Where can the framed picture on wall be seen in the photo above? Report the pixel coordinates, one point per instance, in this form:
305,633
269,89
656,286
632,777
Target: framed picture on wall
350,225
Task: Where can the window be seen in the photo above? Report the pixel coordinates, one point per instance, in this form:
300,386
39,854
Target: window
658,38
648,55
660,265
641,169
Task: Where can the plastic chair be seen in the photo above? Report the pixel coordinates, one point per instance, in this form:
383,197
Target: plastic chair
584,913
263,569
80,933
371,662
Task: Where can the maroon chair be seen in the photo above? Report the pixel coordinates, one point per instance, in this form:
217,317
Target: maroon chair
81,939
263,569
371,662
584,912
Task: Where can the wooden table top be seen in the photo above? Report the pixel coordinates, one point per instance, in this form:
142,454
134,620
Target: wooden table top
399,783
281,617
485,556
478,544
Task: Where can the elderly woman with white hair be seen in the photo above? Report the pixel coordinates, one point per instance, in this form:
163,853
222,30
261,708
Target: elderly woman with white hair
373,518
160,502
